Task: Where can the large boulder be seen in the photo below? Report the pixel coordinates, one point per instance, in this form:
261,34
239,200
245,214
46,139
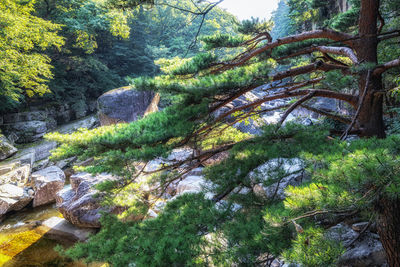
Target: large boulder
125,105
47,183
79,203
6,148
13,197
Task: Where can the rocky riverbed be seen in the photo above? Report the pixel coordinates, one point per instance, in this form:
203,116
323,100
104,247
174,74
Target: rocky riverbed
31,225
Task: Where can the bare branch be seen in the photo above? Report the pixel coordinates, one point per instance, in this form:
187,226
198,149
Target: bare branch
294,106
327,114
352,100
324,33
345,51
382,68
389,35
318,65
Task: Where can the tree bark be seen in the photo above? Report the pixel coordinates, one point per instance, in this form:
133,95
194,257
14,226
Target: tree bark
388,223
370,120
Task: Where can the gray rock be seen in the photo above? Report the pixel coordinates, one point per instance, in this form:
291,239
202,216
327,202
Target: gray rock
251,127
26,156
26,116
12,198
63,116
47,183
326,104
6,167
342,233
27,132
51,123
86,123
60,229
190,183
366,251
125,105
17,176
41,164
62,164
42,149
358,227
6,148
287,171
79,203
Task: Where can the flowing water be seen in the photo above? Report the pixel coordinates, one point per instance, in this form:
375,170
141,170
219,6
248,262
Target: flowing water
23,242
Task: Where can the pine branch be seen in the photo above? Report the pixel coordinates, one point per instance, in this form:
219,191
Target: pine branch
318,65
294,106
327,114
345,51
382,68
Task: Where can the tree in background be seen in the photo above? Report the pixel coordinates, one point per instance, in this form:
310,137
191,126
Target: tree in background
24,68
104,45
282,22
237,225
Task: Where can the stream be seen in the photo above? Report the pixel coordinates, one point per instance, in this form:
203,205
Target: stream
23,241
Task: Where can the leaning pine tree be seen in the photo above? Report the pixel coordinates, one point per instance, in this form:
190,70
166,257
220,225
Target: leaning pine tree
231,222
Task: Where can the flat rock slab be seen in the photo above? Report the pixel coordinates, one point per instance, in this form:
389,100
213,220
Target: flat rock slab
47,183
60,229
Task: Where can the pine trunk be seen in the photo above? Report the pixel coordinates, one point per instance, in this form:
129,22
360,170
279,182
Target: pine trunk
389,229
370,119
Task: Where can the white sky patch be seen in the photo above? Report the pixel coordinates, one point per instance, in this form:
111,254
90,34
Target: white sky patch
245,9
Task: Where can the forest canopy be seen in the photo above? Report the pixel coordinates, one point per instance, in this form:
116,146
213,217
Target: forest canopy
85,48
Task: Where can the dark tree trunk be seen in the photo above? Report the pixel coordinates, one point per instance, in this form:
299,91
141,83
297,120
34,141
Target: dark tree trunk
370,119
389,229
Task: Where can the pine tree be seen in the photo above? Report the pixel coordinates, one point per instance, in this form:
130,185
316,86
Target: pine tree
237,225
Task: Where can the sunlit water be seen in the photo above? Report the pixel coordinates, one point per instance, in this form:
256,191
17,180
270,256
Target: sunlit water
23,242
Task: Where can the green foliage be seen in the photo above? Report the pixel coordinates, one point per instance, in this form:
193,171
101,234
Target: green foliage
24,68
313,249
336,81
233,222
222,40
344,21
103,45
114,146
196,64
175,238
254,26
282,23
